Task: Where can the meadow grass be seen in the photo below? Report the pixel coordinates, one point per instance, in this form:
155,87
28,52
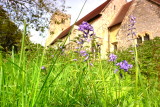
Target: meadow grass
65,82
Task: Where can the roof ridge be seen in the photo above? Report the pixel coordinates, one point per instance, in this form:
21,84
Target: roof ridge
156,1
87,17
121,14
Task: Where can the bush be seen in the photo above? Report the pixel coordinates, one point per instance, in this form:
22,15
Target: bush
148,55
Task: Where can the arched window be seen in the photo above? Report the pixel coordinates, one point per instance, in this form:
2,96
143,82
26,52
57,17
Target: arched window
146,37
139,40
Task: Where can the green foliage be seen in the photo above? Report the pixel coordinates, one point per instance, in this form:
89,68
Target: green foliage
10,35
65,82
148,56
35,12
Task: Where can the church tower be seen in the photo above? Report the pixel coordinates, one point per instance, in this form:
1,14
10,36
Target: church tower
58,23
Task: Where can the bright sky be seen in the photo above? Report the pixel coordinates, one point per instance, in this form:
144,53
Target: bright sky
76,6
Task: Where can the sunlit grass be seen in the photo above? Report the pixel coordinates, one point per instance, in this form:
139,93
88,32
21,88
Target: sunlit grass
65,82
70,83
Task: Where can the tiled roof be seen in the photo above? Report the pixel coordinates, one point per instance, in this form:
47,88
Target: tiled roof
118,19
156,1
121,14
88,17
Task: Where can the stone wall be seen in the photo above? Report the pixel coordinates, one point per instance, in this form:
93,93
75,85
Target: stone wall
101,25
147,15
112,37
59,22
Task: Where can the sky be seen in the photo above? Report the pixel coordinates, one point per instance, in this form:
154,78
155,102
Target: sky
76,6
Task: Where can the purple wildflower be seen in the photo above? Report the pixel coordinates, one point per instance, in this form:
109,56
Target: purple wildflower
132,19
91,64
76,47
89,39
83,53
74,59
131,51
112,57
61,47
81,41
86,37
43,68
86,58
124,65
85,28
116,70
131,26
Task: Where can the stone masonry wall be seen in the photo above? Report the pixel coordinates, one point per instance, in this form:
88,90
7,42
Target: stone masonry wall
59,22
101,25
147,15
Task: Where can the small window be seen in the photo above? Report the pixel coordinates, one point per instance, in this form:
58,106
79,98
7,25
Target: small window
115,47
146,37
139,40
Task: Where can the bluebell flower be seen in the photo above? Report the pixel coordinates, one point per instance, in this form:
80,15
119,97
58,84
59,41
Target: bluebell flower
124,65
83,53
74,59
131,26
76,47
86,37
61,47
91,64
116,70
112,57
80,41
89,39
132,19
43,68
85,28
86,58
131,51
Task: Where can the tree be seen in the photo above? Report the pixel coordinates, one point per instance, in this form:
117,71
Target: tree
10,35
35,12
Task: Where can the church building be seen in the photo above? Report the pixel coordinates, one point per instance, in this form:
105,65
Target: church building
111,22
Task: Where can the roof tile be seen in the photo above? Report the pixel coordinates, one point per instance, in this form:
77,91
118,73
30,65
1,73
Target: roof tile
88,17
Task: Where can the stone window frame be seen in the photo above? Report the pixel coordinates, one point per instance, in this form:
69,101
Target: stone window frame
142,36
